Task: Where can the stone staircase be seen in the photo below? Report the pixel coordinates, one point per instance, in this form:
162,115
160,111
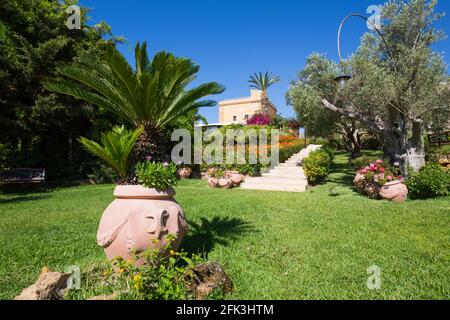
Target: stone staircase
288,176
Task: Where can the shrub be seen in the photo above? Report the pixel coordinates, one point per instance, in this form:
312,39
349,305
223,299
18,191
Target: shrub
157,175
330,150
317,166
163,277
430,182
258,119
363,161
101,173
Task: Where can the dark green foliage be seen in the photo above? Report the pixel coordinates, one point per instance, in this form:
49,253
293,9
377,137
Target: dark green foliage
317,166
157,175
41,128
430,182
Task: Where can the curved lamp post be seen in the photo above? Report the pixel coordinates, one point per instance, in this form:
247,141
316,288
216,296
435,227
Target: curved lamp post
342,78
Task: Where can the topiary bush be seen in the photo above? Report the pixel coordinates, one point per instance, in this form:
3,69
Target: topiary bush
317,166
430,182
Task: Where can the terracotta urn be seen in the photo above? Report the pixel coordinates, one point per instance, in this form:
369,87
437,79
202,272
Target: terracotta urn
139,219
184,173
395,191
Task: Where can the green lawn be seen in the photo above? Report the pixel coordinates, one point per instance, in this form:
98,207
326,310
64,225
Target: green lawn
313,245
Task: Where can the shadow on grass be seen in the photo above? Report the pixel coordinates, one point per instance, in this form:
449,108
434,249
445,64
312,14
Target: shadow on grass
202,237
24,198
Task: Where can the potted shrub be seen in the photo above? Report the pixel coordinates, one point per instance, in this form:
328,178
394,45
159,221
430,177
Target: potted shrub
379,181
144,214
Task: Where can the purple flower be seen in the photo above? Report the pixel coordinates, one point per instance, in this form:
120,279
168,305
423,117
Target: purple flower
148,158
165,164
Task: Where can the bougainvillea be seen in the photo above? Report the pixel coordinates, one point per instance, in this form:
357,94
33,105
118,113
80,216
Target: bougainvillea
380,173
258,119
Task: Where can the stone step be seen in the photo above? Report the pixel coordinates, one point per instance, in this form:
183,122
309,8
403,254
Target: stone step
275,180
288,165
271,187
285,176
285,169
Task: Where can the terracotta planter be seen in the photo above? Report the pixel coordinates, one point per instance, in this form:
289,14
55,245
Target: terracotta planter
395,191
184,173
137,218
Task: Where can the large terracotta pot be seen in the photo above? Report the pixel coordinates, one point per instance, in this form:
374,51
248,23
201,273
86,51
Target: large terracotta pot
137,218
395,191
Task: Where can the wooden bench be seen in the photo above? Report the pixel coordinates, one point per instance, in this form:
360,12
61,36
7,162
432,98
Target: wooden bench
22,176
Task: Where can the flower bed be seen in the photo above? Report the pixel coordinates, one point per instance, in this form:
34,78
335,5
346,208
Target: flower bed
381,181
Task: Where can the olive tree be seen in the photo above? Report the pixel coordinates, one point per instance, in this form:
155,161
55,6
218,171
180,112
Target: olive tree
399,84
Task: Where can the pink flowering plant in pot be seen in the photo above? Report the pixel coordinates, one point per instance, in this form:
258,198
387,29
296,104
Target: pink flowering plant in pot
380,180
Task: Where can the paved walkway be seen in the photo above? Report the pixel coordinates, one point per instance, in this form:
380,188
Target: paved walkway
288,176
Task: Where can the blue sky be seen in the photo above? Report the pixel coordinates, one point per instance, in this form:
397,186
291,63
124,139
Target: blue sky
232,39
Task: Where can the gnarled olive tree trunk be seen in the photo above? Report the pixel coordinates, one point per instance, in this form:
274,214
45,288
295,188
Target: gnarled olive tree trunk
403,137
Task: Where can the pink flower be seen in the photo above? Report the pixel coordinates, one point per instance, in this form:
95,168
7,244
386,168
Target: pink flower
389,178
382,170
363,171
379,161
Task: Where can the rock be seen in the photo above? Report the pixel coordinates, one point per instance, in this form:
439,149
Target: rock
105,297
236,179
49,286
225,183
395,191
208,277
213,182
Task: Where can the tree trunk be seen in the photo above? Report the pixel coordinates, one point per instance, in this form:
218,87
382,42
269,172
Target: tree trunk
152,145
408,150
70,148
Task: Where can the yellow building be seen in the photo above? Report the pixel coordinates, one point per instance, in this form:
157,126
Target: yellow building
241,109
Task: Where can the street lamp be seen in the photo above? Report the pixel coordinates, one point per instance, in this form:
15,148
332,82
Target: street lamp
342,78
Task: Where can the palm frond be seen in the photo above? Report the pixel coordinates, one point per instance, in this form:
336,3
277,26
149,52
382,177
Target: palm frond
115,148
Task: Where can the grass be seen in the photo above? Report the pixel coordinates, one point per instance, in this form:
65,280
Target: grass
313,245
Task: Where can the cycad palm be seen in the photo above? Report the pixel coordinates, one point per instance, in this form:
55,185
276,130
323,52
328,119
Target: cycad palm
151,96
115,148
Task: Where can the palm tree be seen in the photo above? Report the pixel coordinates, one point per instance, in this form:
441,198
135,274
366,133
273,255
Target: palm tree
152,95
115,148
262,82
